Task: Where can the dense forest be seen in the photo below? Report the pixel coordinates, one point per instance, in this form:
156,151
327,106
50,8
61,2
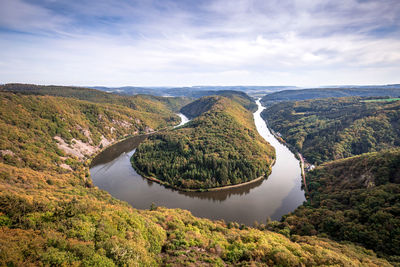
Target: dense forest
51,215
316,93
355,199
220,147
334,128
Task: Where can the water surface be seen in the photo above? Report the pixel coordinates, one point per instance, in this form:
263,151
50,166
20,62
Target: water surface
184,120
273,197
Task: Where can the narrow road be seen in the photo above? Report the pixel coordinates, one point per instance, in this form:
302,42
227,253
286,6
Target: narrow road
303,173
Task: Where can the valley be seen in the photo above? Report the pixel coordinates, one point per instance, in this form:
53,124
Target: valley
53,213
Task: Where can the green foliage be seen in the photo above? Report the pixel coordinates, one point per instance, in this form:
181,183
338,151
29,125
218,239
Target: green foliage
355,199
335,128
220,147
199,106
195,241
4,220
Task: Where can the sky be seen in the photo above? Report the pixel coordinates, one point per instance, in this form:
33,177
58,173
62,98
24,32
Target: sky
304,43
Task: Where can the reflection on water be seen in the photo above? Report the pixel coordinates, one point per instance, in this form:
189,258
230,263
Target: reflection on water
223,194
273,197
111,153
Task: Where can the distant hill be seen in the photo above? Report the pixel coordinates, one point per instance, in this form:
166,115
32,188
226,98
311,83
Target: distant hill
192,91
334,128
304,94
273,93
130,90
219,147
355,199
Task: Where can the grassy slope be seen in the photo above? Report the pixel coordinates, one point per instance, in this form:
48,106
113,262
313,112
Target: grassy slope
333,128
220,147
355,199
50,216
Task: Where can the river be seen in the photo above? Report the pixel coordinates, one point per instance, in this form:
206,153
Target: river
184,120
273,197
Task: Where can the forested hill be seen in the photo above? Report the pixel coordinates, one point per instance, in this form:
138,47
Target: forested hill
196,108
51,215
145,103
240,97
355,199
304,94
220,147
334,128
200,106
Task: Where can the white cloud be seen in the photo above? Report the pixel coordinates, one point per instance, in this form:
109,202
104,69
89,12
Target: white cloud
241,42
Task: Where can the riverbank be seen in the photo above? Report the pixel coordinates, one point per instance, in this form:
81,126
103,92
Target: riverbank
303,173
212,189
297,154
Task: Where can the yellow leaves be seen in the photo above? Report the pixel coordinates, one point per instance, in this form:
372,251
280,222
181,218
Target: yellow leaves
20,247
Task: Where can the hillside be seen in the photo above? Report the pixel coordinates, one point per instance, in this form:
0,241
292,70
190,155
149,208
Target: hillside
37,131
196,108
51,215
304,94
220,147
334,128
49,212
355,199
145,103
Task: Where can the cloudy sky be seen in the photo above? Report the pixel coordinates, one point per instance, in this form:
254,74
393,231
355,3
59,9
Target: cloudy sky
200,42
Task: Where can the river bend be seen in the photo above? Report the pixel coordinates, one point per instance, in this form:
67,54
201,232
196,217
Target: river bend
273,197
